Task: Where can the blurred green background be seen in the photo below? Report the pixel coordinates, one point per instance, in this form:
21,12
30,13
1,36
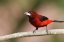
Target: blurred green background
13,19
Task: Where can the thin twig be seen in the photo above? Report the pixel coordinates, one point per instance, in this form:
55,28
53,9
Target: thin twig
29,34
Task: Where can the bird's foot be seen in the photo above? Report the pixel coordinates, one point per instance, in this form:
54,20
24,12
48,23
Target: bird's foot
33,31
47,31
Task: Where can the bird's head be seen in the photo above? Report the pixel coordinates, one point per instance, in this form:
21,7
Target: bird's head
31,14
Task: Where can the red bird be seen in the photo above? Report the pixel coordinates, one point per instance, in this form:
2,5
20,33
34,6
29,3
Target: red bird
38,20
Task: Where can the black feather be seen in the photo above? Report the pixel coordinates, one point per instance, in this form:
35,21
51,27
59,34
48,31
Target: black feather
42,18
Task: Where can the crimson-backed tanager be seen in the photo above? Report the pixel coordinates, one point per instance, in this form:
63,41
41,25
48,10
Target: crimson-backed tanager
38,20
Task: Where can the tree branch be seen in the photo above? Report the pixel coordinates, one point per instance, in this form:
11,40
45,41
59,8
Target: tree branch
29,34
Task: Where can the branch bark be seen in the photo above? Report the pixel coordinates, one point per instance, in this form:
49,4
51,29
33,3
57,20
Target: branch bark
29,34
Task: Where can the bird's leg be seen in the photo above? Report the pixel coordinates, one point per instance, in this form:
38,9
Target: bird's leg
35,29
46,29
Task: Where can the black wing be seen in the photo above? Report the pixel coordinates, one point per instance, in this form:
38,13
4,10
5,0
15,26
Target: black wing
42,18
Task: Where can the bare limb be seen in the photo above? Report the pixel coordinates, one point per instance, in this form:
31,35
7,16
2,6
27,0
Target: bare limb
29,34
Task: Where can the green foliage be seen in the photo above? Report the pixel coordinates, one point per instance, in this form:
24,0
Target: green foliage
55,38
3,1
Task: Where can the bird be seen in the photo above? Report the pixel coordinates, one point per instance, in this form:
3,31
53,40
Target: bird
38,20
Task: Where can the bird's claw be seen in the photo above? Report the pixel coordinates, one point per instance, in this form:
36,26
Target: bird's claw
34,31
47,31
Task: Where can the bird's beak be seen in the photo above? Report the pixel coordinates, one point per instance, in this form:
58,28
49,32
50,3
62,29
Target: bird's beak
27,13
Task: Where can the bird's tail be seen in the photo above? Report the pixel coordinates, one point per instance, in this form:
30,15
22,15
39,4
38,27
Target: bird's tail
58,21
